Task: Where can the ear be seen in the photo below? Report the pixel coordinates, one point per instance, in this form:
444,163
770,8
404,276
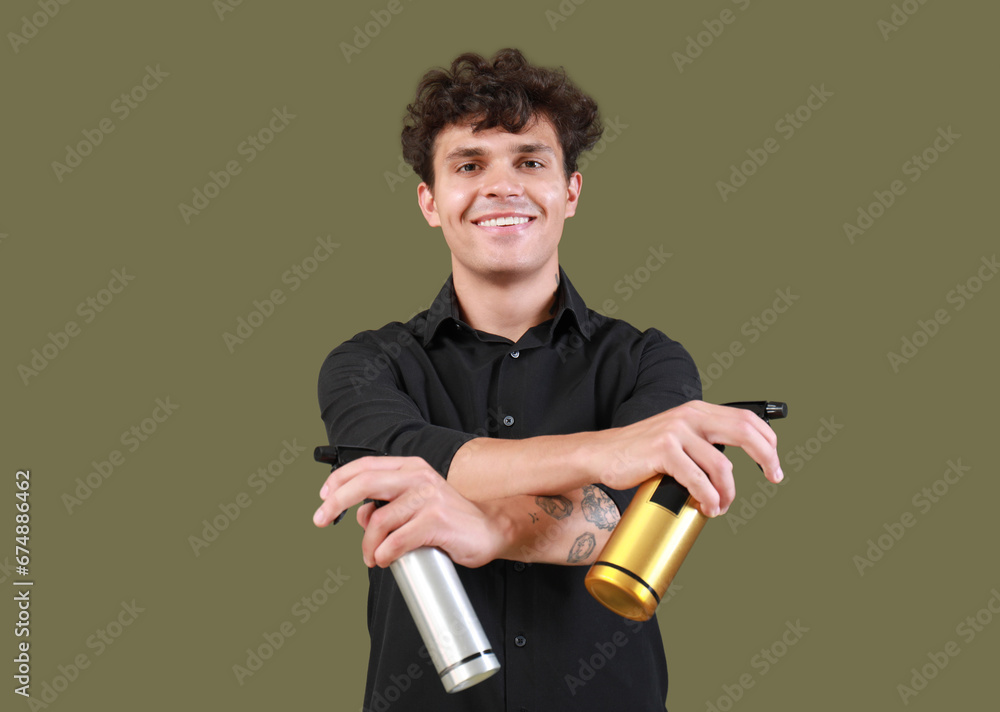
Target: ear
425,198
573,188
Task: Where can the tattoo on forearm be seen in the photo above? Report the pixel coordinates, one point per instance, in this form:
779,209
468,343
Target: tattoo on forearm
582,548
534,517
599,508
556,506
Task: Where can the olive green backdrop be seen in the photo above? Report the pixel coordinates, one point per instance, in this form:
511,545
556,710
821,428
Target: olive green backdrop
155,207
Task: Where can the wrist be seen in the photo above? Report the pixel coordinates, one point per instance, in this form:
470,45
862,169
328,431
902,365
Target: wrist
602,458
501,524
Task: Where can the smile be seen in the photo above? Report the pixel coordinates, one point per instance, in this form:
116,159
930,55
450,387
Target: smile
504,221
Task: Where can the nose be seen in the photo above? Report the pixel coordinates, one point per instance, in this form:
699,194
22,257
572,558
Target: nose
502,181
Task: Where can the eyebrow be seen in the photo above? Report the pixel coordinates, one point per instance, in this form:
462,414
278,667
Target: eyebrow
475,151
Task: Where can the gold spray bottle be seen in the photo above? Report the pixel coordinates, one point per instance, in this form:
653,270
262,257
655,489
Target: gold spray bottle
652,539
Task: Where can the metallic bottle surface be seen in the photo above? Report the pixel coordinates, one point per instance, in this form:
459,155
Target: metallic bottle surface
644,552
652,539
445,618
440,607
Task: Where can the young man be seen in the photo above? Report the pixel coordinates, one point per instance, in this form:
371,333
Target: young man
518,422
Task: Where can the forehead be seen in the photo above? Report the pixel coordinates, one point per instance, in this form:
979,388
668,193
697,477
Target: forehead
457,141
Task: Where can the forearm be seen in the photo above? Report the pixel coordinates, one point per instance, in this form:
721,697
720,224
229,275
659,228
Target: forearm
562,529
489,468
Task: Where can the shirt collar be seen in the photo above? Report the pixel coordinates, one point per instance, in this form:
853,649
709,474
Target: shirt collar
568,307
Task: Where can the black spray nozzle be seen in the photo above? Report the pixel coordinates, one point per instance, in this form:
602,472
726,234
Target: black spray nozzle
338,456
768,410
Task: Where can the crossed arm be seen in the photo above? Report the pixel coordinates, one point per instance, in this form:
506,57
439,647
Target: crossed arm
537,499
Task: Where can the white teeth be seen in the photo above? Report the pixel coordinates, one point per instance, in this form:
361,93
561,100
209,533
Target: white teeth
500,222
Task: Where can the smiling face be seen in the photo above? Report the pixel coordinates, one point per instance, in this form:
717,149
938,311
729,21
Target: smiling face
500,199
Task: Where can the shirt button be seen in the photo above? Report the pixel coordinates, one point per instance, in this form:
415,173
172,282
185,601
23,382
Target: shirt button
520,641
515,354
519,566
508,420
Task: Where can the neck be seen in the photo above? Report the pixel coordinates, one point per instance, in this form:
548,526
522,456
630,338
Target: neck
506,306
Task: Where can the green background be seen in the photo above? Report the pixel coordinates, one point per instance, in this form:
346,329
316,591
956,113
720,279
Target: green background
328,173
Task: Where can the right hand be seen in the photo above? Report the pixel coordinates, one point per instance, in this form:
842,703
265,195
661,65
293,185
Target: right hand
680,443
422,510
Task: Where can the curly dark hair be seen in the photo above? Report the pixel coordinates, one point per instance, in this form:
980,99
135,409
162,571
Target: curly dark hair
505,92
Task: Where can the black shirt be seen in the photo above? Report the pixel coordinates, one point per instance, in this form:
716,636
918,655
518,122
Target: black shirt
429,386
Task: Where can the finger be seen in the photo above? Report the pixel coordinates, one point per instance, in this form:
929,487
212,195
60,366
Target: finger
368,484
741,422
689,475
381,523
417,480
717,467
382,552
423,530
354,468
364,514
743,429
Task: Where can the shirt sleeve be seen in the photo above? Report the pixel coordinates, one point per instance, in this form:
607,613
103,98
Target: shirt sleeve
666,378
363,405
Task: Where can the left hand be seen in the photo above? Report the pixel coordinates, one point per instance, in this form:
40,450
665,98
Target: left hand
422,510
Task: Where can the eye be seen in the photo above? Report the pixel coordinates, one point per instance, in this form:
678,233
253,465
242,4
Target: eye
462,168
537,164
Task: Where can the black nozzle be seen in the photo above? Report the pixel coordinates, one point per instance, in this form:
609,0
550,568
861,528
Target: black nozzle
327,454
338,456
768,410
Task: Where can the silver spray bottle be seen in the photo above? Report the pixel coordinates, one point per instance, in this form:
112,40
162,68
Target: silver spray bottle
440,607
